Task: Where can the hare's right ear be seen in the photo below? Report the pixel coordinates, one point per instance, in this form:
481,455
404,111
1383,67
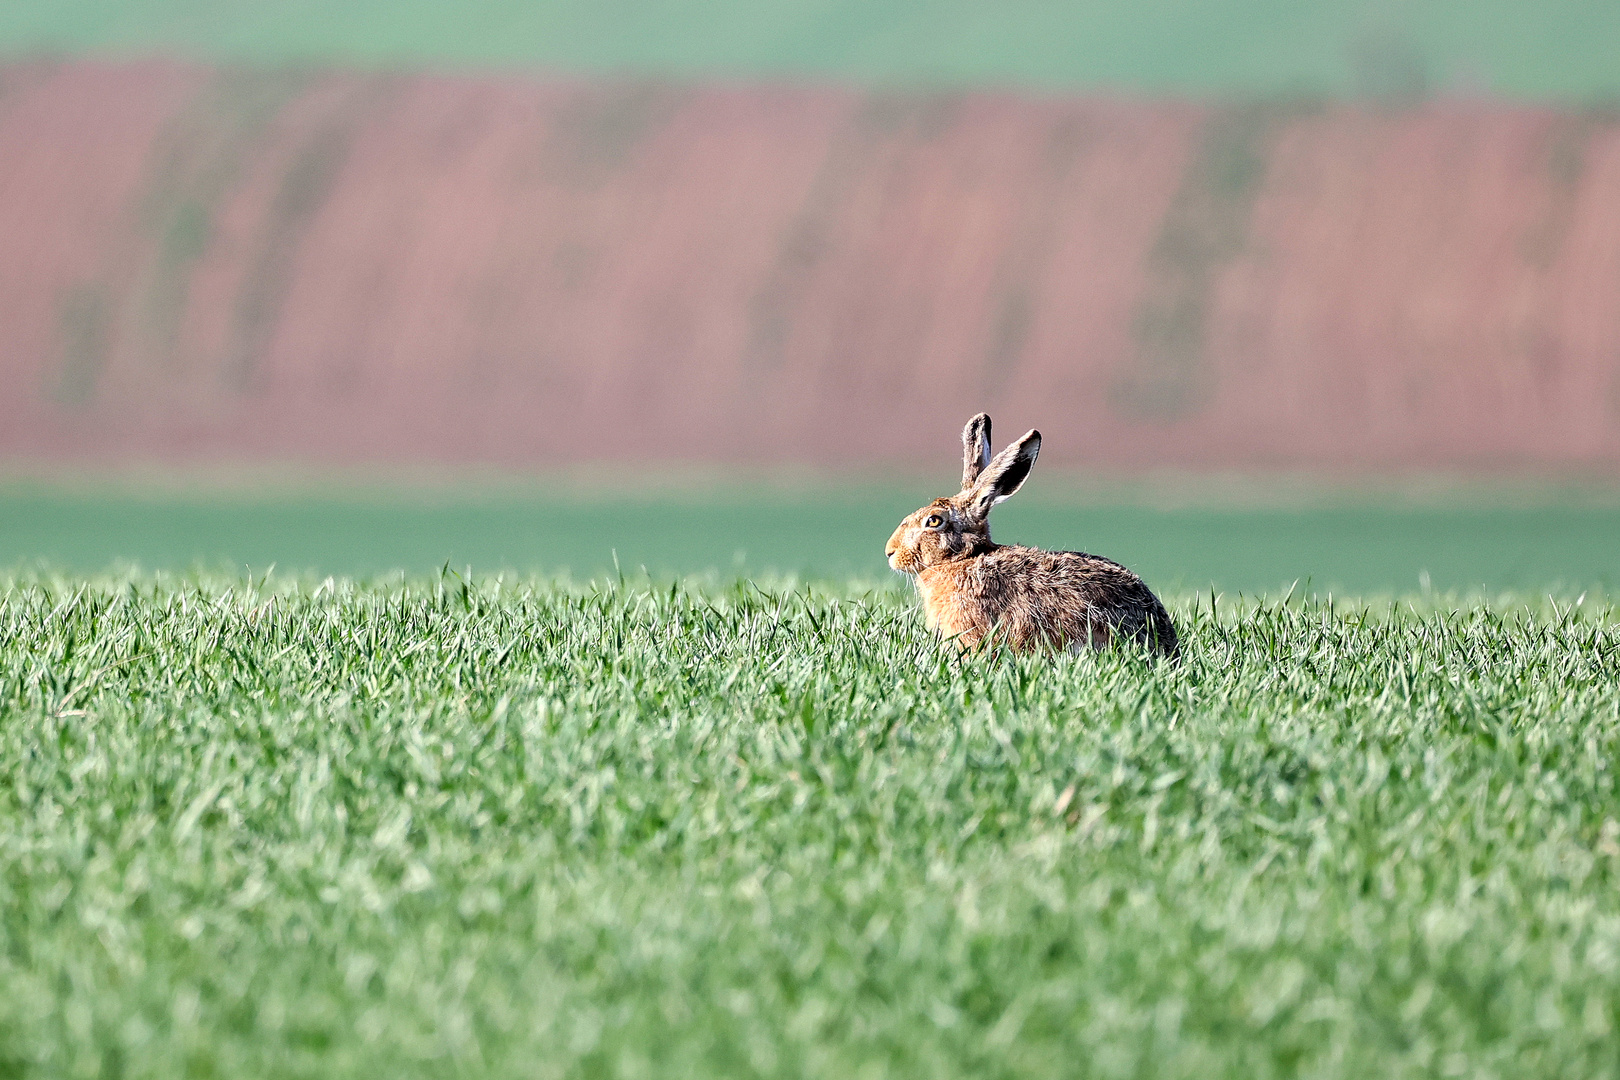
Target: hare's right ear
975,449
1006,474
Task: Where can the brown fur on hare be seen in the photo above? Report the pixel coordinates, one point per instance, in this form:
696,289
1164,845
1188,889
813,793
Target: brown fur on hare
973,588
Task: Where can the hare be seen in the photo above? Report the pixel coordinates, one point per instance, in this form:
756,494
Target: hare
974,589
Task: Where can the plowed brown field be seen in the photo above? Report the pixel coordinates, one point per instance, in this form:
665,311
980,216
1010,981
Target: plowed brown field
198,264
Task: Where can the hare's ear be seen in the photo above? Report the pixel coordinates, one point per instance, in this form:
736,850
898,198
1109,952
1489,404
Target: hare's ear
975,449
1006,474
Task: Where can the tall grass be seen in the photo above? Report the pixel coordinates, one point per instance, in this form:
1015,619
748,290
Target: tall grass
513,827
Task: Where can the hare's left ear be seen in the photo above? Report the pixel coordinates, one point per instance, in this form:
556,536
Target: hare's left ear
1006,474
975,449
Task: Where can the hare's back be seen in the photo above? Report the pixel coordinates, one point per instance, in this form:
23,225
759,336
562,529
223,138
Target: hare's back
1067,571
1078,591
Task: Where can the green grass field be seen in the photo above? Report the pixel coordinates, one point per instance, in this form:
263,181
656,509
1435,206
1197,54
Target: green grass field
286,827
1229,540
1562,48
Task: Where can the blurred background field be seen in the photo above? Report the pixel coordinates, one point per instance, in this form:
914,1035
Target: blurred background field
1218,238
1511,47
1355,544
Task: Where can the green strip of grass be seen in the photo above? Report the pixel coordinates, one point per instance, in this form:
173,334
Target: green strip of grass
1551,47
1363,546
513,828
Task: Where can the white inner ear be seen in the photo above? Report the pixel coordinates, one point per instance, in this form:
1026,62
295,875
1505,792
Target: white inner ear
1032,453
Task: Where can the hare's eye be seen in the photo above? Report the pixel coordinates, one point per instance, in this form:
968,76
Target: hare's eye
934,521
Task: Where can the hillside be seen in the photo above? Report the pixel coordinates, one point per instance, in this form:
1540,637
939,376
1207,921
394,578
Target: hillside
337,266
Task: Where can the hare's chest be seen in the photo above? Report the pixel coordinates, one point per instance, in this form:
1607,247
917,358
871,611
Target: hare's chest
951,603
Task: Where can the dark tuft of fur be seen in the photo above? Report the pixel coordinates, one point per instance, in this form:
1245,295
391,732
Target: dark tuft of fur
975,449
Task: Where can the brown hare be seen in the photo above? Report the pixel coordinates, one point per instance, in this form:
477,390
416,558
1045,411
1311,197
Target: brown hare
974,589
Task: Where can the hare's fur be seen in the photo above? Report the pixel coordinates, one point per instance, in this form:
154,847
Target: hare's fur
974,589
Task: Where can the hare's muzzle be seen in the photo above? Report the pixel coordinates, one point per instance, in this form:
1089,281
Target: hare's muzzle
892,551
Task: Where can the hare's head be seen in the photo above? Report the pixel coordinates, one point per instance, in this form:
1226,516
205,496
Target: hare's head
959,526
